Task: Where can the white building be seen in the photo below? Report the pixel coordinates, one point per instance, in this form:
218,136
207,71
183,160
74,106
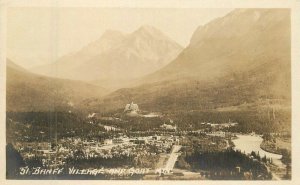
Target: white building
131,108
168,127
108,141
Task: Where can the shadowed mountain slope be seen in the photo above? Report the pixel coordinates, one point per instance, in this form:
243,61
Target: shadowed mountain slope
27,92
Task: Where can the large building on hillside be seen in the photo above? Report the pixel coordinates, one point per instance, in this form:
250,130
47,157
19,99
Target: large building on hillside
131,108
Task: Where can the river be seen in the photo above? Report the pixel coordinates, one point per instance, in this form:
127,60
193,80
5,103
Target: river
249,143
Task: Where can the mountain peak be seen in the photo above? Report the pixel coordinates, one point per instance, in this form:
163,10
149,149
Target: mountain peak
238,22
117,56
150,30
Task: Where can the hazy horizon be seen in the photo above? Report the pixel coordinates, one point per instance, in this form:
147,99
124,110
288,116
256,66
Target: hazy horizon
38,36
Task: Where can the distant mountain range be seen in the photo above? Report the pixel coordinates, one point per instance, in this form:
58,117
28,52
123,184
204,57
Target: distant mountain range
116,58
27,92
240,60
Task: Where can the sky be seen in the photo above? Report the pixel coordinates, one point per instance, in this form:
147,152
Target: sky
40,35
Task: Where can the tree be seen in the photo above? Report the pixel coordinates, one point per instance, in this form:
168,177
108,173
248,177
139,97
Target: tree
79,154
264,159
13,161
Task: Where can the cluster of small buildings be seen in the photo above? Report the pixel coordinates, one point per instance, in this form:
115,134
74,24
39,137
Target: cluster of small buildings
216,127
58,153
220,125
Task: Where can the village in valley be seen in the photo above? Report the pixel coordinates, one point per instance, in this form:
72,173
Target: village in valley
172,94
163,149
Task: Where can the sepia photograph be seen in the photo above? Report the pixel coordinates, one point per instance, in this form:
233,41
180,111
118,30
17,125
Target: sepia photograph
147,93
